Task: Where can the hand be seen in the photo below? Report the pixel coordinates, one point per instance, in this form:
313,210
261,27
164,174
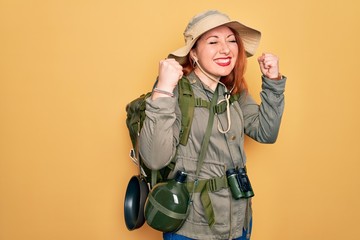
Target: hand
170,72
269,65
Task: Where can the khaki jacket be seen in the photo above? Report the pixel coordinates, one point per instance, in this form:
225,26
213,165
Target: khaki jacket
159,140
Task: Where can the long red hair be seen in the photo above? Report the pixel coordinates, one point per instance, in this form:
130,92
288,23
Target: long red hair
235,79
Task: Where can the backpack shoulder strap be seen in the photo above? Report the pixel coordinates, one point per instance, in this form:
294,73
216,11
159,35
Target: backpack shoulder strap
187,105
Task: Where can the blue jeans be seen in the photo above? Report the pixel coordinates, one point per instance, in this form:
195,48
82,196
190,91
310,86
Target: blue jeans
174,236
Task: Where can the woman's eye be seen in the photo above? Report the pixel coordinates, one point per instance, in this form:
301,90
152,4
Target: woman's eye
212,42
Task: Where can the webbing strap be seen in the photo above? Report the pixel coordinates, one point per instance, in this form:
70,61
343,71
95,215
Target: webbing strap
199,102
187,105
208,209
206,201
219,108
154,174
205,142
205,186
164,210
212,184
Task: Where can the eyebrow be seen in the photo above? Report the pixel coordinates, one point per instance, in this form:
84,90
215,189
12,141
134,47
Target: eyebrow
215,36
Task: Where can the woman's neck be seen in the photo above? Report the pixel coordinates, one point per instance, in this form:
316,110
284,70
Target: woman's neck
206,78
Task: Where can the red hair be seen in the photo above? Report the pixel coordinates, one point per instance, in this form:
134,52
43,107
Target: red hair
235,79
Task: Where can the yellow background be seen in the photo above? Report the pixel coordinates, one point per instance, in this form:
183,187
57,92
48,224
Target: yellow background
69,67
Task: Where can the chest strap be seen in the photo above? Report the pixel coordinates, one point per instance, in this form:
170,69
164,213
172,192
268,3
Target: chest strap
219,108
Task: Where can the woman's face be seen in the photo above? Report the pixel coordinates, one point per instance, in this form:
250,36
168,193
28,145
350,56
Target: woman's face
217,51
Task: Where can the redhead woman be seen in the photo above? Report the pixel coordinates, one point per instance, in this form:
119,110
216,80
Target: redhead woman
213,60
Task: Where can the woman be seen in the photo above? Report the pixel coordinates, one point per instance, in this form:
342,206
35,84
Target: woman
214,61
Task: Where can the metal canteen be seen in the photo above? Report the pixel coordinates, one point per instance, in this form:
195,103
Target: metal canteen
136,194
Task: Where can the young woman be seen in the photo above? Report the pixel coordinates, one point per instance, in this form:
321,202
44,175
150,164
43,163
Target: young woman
214,61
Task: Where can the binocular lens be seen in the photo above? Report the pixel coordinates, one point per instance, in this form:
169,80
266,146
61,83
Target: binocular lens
239,183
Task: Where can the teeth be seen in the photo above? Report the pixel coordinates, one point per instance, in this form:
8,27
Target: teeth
226,60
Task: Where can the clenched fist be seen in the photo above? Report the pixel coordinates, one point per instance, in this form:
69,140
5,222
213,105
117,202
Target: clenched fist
269,65
170,72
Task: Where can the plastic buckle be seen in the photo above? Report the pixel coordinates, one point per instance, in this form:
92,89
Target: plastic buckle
212,185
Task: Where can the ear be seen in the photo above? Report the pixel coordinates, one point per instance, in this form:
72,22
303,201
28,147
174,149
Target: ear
193,55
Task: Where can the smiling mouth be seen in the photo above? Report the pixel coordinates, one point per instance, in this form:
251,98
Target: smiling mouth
223,61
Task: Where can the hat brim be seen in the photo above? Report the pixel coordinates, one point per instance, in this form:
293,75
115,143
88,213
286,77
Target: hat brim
249,36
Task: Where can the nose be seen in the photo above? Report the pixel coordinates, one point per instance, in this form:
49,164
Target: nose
225,48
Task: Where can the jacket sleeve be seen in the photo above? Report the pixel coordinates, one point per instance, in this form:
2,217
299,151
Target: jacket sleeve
160,131
262,122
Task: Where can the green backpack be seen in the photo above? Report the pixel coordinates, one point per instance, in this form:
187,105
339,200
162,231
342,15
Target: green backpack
136,115
187,102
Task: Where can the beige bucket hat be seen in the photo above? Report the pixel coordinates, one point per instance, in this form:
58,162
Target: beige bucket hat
208,20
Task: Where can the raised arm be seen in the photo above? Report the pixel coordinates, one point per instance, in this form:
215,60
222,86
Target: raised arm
262,122
161,128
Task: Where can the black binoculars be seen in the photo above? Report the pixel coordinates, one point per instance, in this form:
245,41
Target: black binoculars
239,183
